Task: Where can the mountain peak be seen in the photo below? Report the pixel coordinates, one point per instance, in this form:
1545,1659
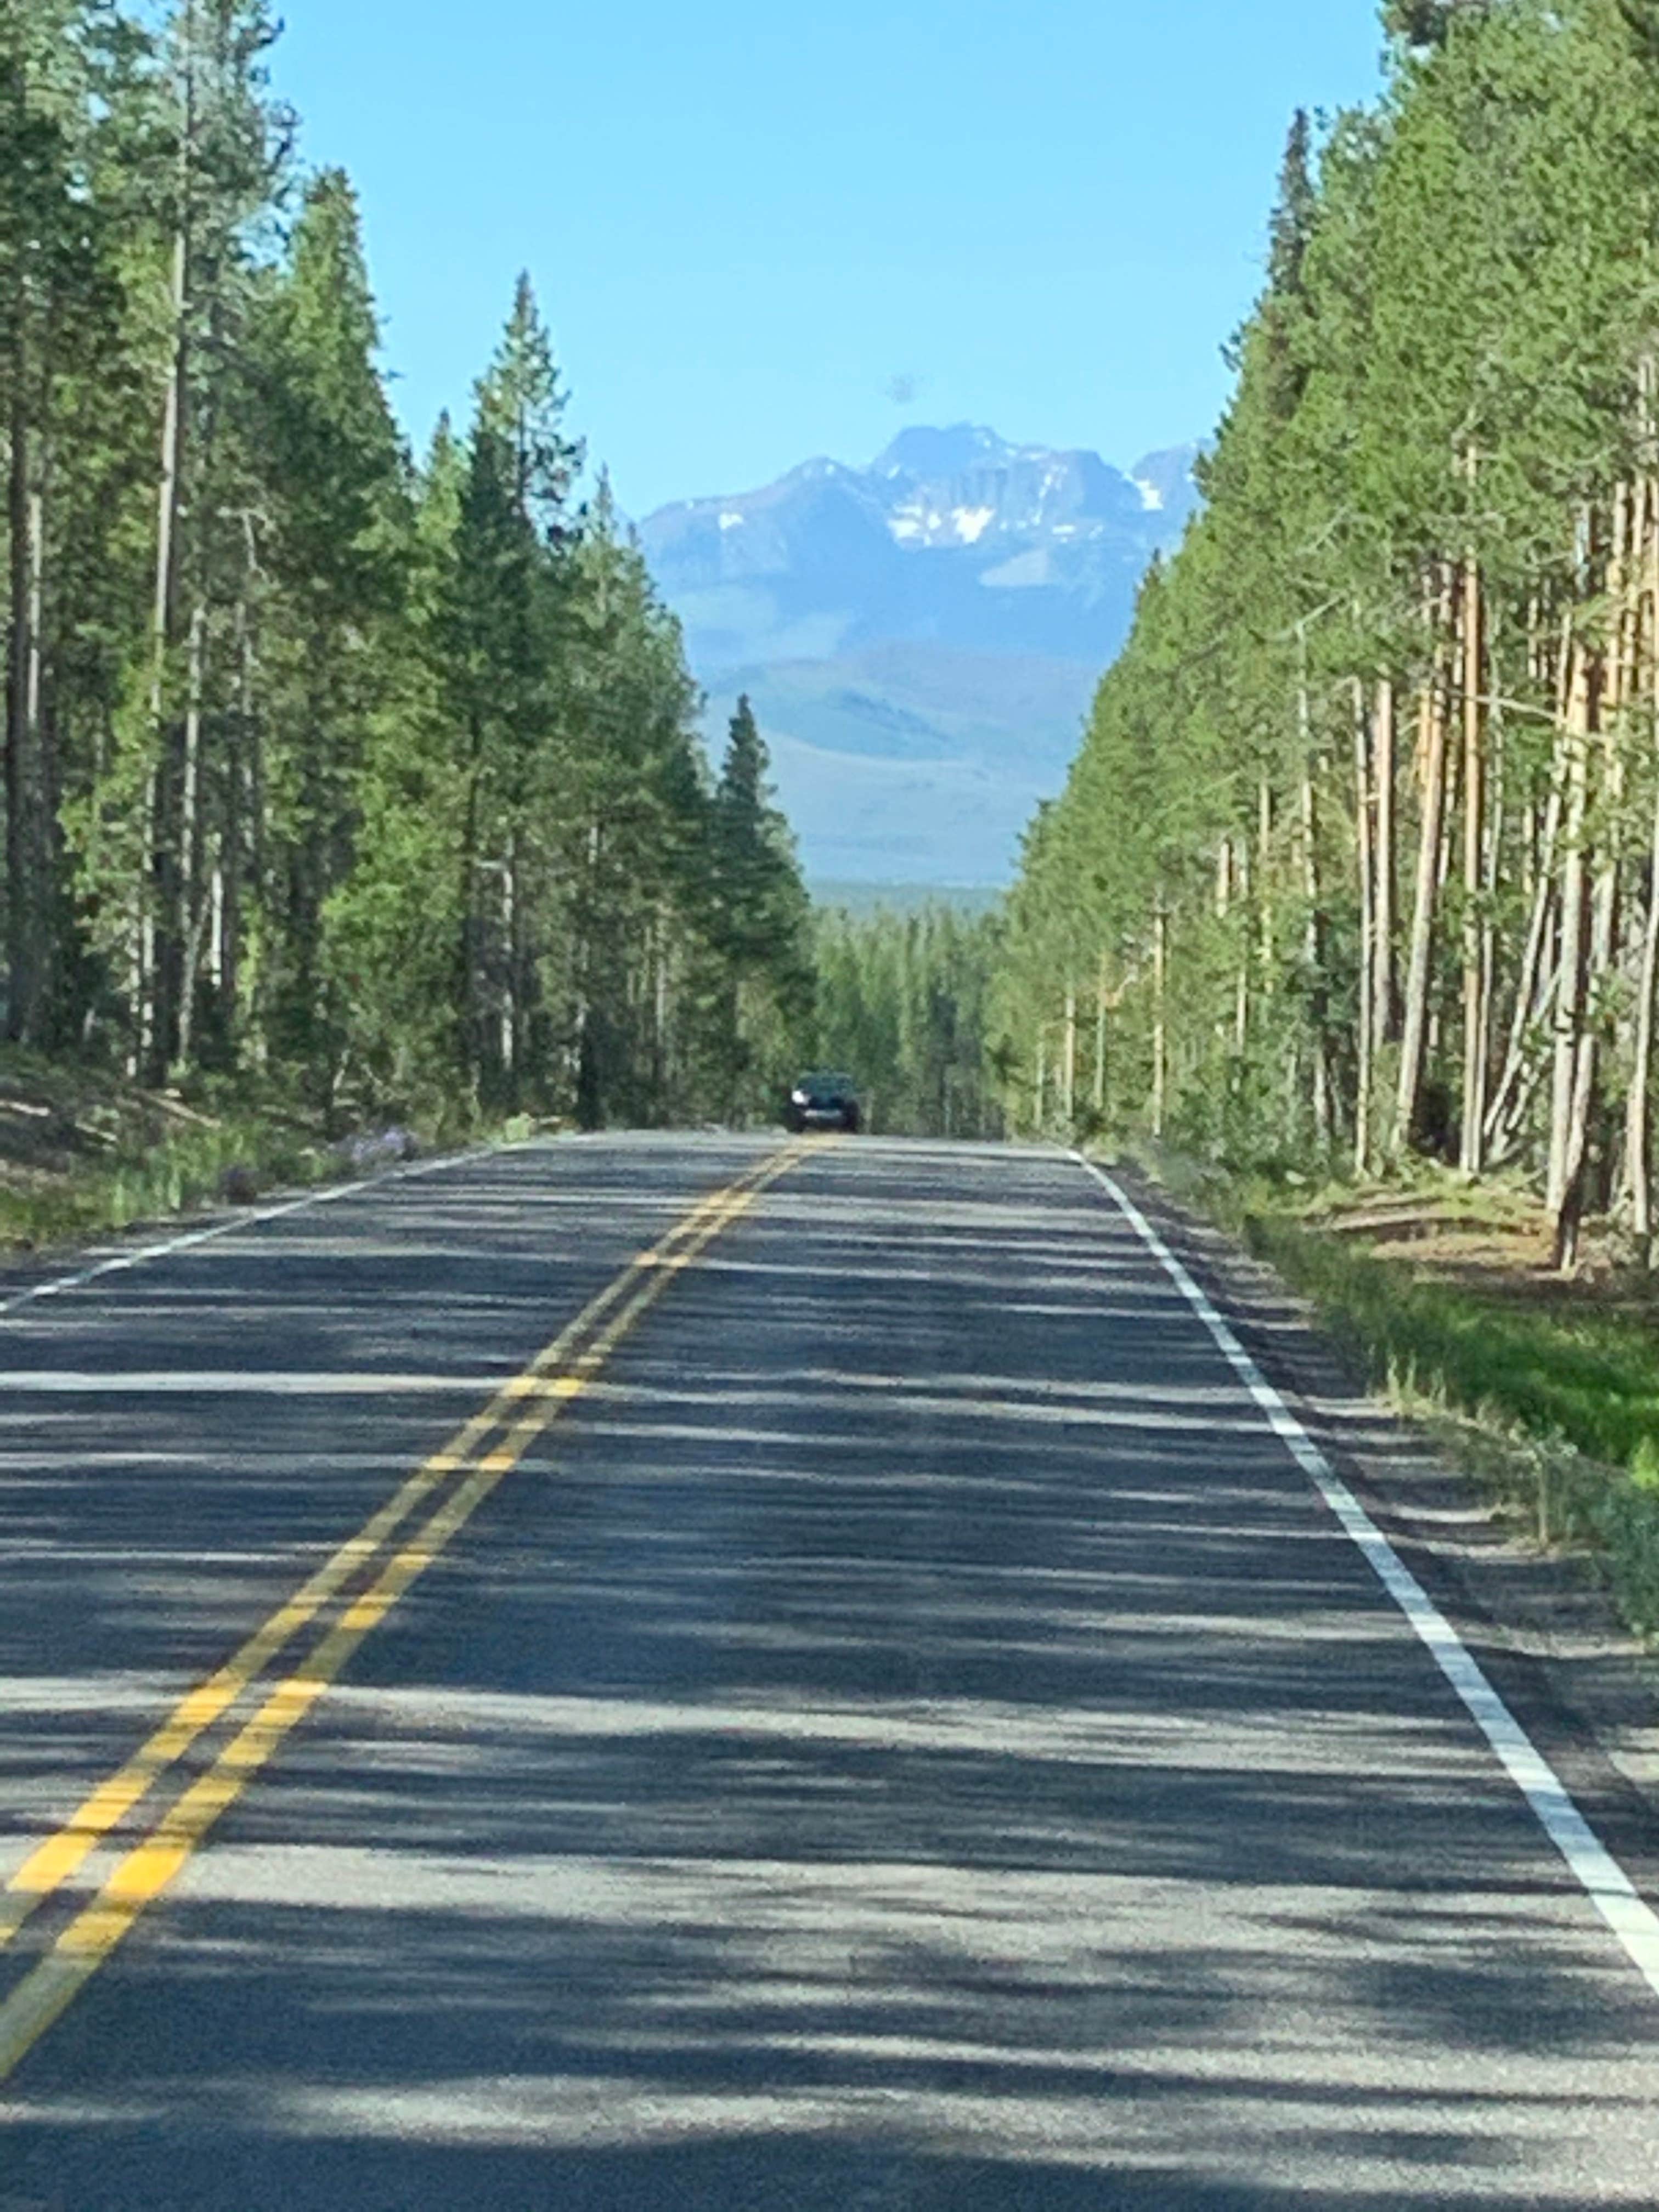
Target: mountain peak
1166,481
922,452
920,638
952,534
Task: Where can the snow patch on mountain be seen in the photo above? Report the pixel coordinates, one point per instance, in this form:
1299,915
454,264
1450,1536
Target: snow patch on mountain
956,552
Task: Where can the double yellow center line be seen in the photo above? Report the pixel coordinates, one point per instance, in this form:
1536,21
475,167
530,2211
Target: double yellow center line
473,1463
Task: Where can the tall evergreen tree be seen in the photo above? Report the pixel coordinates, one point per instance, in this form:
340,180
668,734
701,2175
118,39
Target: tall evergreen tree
760,912
1383,732
523,401
320,773
336,494
59,310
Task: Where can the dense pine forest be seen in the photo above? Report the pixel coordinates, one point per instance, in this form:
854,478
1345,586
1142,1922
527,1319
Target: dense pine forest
369,780
1360,858
902,1002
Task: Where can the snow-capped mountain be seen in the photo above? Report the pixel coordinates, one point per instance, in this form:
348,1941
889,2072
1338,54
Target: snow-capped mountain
951,537
928,630
965,486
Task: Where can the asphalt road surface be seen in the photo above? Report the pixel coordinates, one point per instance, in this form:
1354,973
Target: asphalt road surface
858,1710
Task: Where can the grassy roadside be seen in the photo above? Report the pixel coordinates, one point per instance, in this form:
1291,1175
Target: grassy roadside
1546,1390
83,1154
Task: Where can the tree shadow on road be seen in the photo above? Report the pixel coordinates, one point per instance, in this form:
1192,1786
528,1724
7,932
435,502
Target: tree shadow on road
893,1750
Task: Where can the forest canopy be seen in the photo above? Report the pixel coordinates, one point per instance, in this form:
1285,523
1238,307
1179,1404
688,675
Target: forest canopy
373,779
1360,856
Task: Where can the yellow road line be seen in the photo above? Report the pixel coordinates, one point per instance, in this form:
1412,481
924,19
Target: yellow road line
61,1856
51,1986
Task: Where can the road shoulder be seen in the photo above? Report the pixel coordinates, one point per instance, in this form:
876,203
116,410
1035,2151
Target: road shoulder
1541,1623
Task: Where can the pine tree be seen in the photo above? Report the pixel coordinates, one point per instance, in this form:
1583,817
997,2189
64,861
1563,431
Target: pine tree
393,925
319,774
759,920
211,149
1641,19
901,1003
1405,661
1423,23
58,310
334,553
522,401
636,817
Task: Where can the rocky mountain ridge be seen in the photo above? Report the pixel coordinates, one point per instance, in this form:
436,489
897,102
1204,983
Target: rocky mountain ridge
945,613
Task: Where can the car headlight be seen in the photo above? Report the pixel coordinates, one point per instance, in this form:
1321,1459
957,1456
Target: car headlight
800,1098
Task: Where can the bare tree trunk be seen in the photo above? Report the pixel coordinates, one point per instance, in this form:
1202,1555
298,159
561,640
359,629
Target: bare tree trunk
467,950
1068,1063
245,844
1314,933
228,932
1243,939
1313,951
193,914
1471,1151
1415,1025
1535,989
1638,1114
1604,909
592,1071
1264,836
19,765
1100,1040
1626,592
157,995
509,1010
1385,986
1639,1111
1364,830
660,1074
1160,1027
1566,1127
1496,806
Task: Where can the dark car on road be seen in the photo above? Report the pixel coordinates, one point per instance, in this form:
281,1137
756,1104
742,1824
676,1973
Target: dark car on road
824,1102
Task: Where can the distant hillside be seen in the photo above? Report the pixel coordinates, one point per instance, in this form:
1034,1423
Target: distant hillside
863,900
920,638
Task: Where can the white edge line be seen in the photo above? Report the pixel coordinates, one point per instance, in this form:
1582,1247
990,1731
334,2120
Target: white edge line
122,1262
1609,1889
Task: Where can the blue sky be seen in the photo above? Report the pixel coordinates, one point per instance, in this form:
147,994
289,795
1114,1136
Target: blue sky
763,231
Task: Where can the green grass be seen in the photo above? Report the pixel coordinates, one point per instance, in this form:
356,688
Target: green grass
168,1176
1562,1369
83,1154
1555,1411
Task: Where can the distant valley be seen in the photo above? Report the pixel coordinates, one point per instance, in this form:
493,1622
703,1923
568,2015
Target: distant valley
922,638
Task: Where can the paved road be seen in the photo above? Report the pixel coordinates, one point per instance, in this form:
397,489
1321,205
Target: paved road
907,1734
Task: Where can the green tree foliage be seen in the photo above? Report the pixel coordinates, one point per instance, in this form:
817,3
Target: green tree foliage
758,917
65,390
901,1006
1641,19
1423,22
1359,853
335,502
376,782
